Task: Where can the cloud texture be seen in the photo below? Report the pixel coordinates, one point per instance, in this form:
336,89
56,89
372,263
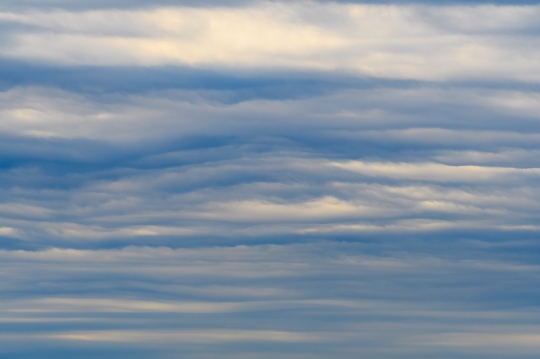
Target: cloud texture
292,179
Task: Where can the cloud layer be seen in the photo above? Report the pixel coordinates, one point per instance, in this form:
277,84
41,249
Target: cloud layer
305,299
406,42
272,179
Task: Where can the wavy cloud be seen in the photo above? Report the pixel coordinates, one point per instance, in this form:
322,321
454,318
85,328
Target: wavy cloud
323,179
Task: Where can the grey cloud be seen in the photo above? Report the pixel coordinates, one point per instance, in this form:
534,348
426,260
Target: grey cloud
59,294
177,167
406,114
165,212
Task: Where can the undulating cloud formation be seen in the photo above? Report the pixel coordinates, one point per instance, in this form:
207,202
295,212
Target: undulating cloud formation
269,179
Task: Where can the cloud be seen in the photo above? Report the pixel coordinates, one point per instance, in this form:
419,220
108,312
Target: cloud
137,4
147,296
181,164
434,171
375,116
522,342
406,42
187,336
272,179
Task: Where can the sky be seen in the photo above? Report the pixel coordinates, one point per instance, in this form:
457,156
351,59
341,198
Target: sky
269,179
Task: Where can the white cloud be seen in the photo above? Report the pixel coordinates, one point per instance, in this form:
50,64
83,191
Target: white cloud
520,342
383,115
173,337
413,42
436,171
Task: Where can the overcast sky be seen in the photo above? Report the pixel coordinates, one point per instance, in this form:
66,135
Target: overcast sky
301,179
